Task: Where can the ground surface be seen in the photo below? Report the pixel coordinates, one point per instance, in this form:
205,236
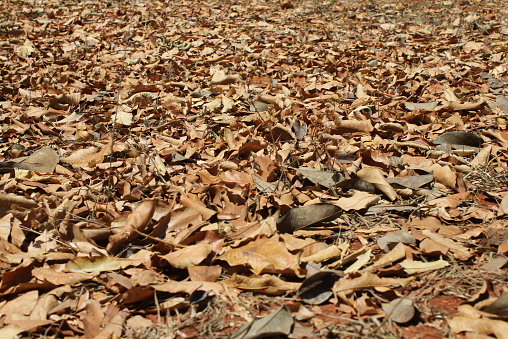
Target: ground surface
307,169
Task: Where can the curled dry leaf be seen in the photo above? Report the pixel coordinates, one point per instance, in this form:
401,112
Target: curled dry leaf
414,267
375,177
368,280
482,326
347,126
9,198
88,157
138,220
459,138
92,264
301,217
268,284
459,251
357,184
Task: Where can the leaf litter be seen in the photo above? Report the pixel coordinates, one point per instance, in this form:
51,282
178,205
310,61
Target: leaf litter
307,169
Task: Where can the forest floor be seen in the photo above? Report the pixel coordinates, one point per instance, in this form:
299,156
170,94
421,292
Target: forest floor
247,169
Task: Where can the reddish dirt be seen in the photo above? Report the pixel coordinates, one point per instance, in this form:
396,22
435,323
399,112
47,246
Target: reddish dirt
443,305
421,331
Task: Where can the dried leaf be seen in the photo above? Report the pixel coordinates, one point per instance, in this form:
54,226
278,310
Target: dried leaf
317,288
388,241
264,255
300,128
368,280
301,217
400,310
138,220
268,285
359,201
189,256
277,323
414,267
361,261
480,326
88,157
502,103
459,138
499,307
324,178
93,264
375,177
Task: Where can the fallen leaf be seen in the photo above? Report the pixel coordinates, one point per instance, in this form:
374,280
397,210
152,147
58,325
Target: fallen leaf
301,217
268,285
264,255
400,310
277,323
414,267
376,178
93,264
390,240
368,280
479,326
189,256
317,288
138,220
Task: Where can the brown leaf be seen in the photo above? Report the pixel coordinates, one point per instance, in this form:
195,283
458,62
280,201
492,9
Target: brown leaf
138,220
204,273
400,310
301,217
480,326
60,278
88,157
43,160
264,255
276,324
268,284
317,288
376,177
459,251
358,201
189,256
368,280
197,206
323,178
